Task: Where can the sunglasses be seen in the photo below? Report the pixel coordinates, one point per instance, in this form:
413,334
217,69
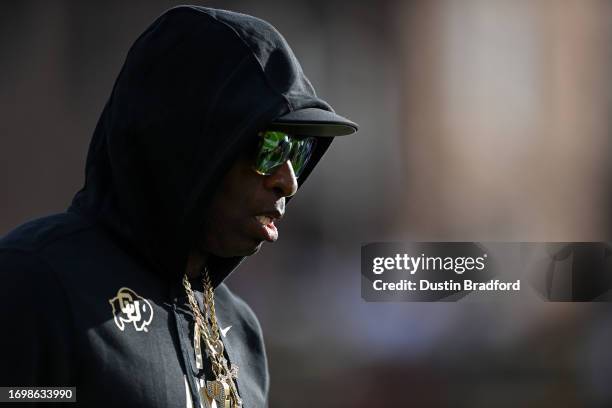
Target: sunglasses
275,148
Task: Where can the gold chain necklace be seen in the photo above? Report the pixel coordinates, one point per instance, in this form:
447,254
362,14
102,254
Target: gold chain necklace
222,389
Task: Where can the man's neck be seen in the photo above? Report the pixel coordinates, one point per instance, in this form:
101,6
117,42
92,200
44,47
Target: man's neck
195,264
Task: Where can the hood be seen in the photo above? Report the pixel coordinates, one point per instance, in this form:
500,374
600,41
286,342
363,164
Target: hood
194,90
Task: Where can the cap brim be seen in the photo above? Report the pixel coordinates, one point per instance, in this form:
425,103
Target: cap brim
314,122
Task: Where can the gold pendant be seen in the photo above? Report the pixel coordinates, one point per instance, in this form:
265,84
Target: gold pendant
197,347
207,401
219,391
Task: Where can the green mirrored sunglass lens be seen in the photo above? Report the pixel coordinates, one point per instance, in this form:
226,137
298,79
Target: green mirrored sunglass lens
274,149
277,147
302,154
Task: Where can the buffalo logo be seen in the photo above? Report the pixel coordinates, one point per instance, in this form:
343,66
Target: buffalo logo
128,307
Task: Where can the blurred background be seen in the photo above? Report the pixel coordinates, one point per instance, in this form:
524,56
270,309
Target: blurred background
481,120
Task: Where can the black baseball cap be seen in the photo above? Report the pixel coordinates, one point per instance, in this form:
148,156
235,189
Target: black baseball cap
314,122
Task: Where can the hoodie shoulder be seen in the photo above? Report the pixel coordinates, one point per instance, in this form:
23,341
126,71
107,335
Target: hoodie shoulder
39,349
37,234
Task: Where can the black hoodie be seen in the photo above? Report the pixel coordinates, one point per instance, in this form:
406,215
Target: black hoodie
195,88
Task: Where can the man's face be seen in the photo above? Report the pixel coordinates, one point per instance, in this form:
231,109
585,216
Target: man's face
243,210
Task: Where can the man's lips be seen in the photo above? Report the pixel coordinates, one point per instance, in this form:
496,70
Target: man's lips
266,226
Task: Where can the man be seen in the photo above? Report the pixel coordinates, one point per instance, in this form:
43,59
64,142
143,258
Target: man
210,128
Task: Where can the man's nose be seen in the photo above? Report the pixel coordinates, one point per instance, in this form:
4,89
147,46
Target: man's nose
282,180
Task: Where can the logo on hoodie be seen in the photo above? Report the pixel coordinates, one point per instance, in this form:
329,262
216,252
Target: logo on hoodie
129,307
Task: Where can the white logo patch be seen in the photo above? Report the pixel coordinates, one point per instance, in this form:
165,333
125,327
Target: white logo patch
128,307
224,331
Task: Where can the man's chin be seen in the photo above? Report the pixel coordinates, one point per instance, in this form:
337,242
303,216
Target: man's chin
247,250
253,250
